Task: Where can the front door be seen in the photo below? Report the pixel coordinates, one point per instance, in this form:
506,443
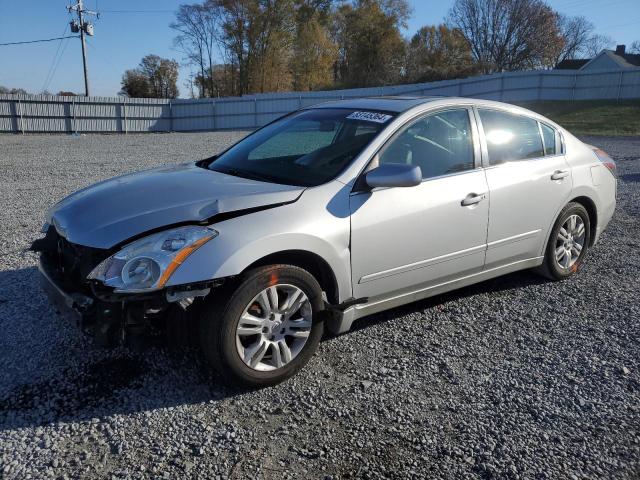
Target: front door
406,239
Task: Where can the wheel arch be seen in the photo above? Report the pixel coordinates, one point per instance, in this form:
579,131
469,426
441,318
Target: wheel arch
591,209
309,261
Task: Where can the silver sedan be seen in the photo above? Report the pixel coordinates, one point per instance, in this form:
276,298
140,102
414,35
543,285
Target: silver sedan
322,217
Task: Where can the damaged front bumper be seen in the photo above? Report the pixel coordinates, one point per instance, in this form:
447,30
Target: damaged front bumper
94,317
111,318
75,306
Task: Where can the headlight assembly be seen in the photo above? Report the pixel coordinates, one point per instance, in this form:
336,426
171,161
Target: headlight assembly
148,263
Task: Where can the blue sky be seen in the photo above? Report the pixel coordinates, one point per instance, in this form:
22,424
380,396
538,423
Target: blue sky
122,39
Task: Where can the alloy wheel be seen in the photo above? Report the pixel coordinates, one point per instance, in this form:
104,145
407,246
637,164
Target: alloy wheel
274,328
570,241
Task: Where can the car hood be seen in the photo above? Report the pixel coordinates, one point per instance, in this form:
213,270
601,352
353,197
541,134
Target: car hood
113,211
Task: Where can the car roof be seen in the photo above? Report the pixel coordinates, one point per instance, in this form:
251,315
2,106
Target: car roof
388,104
400,104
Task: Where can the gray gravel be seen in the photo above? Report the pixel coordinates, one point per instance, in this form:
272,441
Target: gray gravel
513,378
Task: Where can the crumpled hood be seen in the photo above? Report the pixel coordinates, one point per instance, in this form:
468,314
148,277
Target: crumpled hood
110,212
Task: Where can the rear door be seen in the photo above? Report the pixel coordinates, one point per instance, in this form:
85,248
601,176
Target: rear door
406,239
529,182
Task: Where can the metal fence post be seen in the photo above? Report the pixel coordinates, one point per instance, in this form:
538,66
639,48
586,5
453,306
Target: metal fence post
124,113
213,113
170,117
619,86
255,112
14,116
67,117
573,89
501,86
74,125
540,85
21,117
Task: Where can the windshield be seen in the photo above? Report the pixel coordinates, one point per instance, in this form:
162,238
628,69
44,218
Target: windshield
307,148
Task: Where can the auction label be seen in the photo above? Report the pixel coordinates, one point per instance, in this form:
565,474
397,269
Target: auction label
370,117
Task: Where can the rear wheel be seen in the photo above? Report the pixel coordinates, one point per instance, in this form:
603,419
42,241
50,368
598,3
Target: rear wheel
266,329
568,243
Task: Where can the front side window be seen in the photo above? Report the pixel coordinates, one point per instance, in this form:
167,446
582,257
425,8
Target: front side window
439,143
307,148
510,137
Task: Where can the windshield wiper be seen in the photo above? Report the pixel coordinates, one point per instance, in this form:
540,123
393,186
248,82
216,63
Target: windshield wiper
244,174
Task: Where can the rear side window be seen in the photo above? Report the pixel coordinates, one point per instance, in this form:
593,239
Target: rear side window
510,137
549,137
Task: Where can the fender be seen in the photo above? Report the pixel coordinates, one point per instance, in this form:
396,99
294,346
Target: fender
324,230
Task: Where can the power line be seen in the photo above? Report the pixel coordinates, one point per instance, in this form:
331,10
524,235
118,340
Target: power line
54,59
38,41
137,11
55,68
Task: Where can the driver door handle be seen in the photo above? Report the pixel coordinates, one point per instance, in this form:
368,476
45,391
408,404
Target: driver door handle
472,199
559,174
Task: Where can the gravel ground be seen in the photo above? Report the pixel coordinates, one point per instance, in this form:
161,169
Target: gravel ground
513,378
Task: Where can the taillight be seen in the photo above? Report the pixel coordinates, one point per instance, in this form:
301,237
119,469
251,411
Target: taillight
606,160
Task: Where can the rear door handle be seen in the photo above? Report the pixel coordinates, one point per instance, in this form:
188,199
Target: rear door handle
472,199
559,174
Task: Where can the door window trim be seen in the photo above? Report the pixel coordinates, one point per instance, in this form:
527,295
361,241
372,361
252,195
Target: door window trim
558,137
475,137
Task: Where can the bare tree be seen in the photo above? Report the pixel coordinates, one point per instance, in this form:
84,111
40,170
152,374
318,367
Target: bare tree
635,47
576,33
597,43
198,37
508,34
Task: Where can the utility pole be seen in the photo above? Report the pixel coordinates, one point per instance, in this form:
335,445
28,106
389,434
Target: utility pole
84,28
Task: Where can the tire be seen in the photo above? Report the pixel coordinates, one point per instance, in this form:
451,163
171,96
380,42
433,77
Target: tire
226,343
559,269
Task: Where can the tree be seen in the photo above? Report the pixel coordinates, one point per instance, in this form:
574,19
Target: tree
635,47
371,46
155,77
597,43
314,56
13,91
508,34
198,37
135,84
162,75
575,33
438,53
257,36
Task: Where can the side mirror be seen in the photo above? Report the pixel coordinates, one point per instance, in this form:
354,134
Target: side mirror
394,175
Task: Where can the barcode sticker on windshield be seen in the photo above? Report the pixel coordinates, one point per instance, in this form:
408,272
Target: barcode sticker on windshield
370,117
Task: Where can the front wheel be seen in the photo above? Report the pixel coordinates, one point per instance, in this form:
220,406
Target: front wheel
267,329
568,243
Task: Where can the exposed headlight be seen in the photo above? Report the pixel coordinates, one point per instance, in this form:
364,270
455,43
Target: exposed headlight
147,264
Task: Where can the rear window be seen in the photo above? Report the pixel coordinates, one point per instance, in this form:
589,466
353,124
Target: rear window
510,137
